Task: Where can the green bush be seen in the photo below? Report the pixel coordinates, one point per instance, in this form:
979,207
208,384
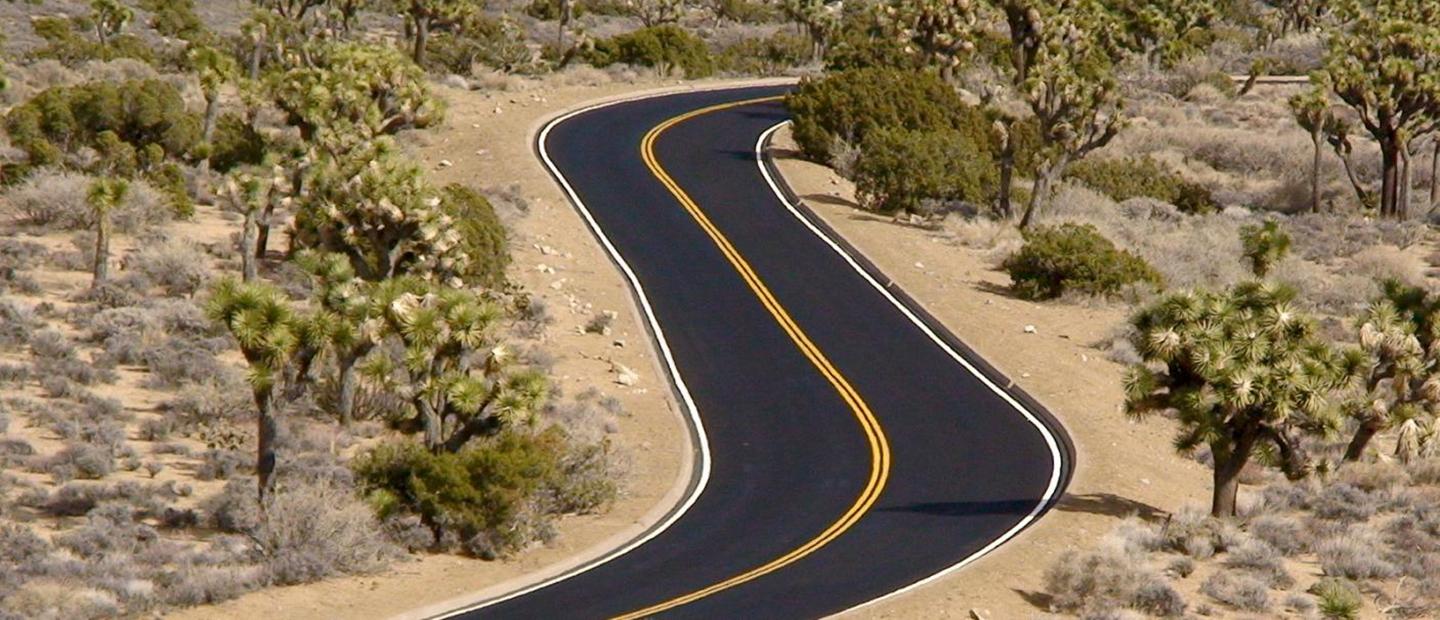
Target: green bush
482,234
850,104
235,143
769,56
65,44
125,122
665,48
549,10
898,169
1126,178
1074,258
743,11
493,497
176,18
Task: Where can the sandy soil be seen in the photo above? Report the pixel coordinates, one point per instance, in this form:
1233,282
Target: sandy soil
1123,468
486,143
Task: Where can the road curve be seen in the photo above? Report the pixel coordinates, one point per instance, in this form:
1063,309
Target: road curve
849,446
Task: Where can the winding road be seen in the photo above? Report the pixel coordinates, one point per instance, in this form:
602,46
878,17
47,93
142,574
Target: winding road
847,446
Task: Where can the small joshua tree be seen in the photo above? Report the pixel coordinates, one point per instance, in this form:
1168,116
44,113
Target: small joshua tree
104,196
110,18
1401,389
278,344
1264,245
215,69
457,376
1242,369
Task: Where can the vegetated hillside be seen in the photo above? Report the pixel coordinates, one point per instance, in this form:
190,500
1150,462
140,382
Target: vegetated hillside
1271,244
212,281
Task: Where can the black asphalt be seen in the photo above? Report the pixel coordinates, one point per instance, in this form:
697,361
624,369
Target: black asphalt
789,456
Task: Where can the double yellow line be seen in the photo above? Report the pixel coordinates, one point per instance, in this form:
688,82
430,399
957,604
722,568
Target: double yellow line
879,447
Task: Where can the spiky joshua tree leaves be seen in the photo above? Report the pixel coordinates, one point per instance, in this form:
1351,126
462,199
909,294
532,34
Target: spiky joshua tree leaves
278,344
1264,245
939,30
460,380
1401,389
1243,370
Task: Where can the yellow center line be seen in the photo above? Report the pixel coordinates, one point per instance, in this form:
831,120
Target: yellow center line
879,447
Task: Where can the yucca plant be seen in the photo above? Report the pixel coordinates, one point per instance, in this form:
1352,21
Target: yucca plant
277,343
104,196
1243,370
460,380
1401,388
1264,245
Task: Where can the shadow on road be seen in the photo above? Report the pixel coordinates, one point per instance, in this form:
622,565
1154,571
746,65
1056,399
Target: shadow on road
1107,504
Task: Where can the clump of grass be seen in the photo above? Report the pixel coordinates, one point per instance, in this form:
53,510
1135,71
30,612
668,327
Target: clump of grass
1239,590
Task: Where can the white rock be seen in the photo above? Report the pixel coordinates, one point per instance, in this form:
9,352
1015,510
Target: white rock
558,284
619,343
1030,329
919,265
445,163
625,376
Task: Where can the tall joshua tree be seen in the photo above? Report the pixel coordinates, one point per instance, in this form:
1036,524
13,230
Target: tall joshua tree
105,196
1382,65
1241,369
110,18
1264,245
278,344
215,69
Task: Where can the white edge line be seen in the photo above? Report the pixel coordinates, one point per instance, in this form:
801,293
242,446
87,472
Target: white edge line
1056,459
697,426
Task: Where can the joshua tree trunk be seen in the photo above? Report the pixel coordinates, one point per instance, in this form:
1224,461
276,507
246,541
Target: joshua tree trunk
1318,139
207,132
1368,429
1435,174
1040,192
265,440
1389,178
247,247
262,240
1402,193
102,249
1228,465
422,34
349,382
432,425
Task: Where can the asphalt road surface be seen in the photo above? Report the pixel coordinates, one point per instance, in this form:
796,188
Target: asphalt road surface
850,454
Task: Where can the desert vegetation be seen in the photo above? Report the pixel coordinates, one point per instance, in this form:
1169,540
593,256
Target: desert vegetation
1253,183
246,340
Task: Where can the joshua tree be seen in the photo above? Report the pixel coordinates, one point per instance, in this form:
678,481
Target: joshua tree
104,196
653,13
1312,113
349,301
452,369
1241,369
1062,69
1401,386
817,18
423,15
1264,245
277,344
246,194
110,18
215,69
1381,66
939,30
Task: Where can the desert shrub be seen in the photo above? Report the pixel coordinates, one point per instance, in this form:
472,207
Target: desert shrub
492,497
851,104
236,143
482,235
316,530
17,323
1239,590
1072,258
1284,534
902,169
235,508
1259,559
1126,178
180,361
204,585
209,401
65,43
1344,502
124,122
1109,578
1354,555
19,545
176,265
56,199
222,464
665,48
176,19
1337,599
772,55
80,460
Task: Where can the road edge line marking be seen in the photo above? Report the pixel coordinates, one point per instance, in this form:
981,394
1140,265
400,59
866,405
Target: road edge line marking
1052,492
879,446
